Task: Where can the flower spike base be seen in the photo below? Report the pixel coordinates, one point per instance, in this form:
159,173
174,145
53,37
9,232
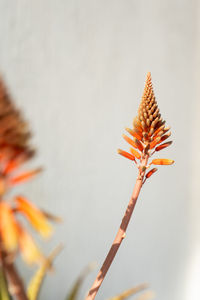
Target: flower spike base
147,134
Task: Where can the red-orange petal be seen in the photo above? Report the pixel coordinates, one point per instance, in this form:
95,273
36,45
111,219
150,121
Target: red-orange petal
164,137
162,161
138,144
35,216
151,172
159,129
11,165
163,146
130,141
28,249
126,154
155,142
134,133
8,227
135,153
24,176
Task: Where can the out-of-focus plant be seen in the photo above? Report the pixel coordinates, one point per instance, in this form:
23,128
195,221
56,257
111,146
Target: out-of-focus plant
35,284
15,150
147,137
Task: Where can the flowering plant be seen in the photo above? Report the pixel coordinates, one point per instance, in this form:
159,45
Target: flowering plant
147,137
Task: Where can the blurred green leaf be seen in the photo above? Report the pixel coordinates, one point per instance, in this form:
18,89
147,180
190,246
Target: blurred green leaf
4,294
73,294
35,284
130,292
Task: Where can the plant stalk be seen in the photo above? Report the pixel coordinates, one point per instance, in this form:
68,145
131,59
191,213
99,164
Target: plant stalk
121,232
16,286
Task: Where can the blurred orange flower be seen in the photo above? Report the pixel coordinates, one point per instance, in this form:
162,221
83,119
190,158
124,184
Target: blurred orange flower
34,215
15,151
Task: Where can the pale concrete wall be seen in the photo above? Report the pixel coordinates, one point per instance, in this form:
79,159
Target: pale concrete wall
77,69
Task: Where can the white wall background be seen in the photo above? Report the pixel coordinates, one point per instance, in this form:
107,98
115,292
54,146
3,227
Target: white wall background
77,69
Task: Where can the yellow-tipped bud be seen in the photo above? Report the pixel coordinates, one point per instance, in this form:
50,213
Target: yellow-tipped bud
126,154
135,153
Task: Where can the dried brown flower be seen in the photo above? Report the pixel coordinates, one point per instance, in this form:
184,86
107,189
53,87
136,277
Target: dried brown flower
15,149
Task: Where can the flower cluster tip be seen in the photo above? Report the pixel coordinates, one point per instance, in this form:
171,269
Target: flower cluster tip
148,132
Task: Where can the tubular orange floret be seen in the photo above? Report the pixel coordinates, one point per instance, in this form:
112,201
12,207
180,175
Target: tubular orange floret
164,137
162,161
34,215
167,129
163,146
137,124
130,141
151,172
134,133
138,144
155,142
135,153
28,249
126,154
158,130
8,227
11,165
16,160
24,176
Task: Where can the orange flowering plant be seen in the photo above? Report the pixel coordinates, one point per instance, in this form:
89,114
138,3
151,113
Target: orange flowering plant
146,138
14,236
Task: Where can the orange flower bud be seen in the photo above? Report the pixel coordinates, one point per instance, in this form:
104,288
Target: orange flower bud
11,165
167,129
137,124
162,161
28,249
153,124
8,227
138,144
130,141
163,146
134,133
35,216
160,133
135,153
159,129
164,137
24,176
151,172
126,154
155,142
